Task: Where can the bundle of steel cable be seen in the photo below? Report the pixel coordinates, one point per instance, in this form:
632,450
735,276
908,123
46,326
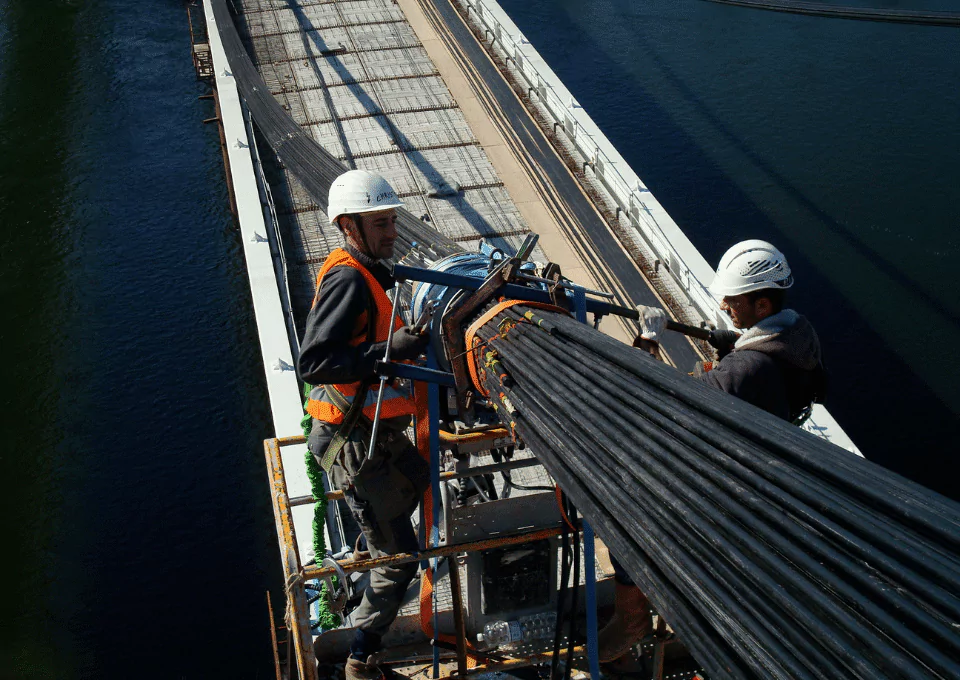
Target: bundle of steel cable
313,166
771,552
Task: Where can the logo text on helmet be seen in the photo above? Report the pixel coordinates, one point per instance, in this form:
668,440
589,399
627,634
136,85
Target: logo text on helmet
385,195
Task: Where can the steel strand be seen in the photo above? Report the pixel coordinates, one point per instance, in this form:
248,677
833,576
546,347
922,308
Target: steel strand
875,578
809,573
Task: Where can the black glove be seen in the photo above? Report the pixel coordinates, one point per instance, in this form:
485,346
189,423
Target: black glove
407,344
723,341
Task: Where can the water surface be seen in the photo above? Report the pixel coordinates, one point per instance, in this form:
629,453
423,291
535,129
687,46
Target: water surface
837,140
137,523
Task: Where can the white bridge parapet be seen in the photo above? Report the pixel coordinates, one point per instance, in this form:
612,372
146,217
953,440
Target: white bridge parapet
283,387
656,228
667,241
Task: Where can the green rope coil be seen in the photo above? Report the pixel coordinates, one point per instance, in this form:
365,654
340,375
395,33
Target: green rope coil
327,619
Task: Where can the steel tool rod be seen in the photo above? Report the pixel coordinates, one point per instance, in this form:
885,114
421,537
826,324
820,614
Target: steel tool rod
383,378
692,331
564,284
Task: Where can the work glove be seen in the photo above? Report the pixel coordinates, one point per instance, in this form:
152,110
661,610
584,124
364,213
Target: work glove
653,321
723,341
407,344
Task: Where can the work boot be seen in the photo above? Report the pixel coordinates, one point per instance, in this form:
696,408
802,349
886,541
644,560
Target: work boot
629,624
358,670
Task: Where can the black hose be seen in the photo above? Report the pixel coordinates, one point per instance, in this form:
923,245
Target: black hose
752,500
743,537
701,638
923,511
588,441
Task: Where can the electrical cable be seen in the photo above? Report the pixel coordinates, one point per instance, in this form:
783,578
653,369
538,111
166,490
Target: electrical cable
480,491
508,479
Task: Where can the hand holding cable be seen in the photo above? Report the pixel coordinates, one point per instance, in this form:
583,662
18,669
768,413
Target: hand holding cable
723,341
653,321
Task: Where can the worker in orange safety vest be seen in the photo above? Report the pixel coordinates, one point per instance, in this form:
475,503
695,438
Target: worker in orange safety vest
346,333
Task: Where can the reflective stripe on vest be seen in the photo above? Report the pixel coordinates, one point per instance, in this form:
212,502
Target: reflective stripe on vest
396,402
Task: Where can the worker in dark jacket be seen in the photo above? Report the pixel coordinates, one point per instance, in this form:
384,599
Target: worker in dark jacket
347,331
774,364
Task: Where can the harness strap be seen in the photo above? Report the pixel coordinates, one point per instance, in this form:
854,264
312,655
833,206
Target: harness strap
352,414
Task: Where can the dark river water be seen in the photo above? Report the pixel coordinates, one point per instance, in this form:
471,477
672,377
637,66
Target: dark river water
839,141
138,533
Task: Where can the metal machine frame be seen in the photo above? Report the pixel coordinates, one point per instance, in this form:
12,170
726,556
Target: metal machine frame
468,531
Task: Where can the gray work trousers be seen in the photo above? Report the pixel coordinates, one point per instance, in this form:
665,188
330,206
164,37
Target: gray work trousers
382,494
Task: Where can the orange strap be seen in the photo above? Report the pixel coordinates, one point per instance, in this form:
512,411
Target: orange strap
472,342
422,429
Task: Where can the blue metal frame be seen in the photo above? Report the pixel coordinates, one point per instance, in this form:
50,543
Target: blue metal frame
433,405
589,559
436,377
510,290
412,372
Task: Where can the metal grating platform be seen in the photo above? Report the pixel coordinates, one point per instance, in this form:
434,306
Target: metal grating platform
354,74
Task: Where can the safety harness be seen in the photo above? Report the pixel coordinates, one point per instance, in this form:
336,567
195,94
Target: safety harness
352,412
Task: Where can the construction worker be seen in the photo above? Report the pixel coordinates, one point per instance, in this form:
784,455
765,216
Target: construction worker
346,333
775,363
631,621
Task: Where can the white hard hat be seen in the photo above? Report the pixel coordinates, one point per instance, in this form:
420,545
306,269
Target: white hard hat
360,191
749,266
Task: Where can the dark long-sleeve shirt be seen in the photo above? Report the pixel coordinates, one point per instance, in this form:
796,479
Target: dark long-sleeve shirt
326,355
780,370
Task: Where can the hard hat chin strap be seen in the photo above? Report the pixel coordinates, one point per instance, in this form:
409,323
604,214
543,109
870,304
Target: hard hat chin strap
358,236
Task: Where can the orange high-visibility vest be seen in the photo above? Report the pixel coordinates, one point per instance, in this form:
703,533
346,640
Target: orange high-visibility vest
396,401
